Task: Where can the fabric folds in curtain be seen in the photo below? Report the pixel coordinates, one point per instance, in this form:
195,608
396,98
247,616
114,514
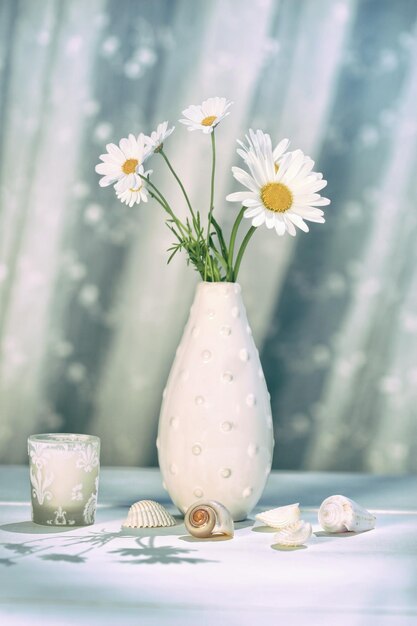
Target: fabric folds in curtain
90,315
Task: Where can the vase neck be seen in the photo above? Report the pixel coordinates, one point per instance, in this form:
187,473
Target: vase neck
212,297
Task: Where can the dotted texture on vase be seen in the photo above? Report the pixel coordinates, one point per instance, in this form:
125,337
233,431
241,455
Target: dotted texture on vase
215,437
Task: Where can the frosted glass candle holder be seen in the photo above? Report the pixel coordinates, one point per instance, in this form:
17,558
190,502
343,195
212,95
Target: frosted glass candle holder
64,473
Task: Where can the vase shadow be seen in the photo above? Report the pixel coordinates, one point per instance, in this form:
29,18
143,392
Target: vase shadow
244,524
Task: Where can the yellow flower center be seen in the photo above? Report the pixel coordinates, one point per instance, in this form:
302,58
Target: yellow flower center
208,121
276,197
129,166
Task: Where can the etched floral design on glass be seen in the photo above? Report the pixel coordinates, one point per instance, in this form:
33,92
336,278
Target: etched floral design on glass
88,458
64,474
77,492
40,484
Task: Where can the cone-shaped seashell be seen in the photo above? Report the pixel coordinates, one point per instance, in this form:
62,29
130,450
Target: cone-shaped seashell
280,517
338,514
294,535
148,514
209,519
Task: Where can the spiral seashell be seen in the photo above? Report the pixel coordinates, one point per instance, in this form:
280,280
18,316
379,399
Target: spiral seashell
294,535
280,517
148,514
209,519
338,514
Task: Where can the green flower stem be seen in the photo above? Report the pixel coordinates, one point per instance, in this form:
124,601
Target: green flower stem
221,259
164,203
177,178
242,249
222,242
233,234
213,170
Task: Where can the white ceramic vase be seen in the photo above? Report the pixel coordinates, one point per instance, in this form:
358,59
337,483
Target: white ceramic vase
215,438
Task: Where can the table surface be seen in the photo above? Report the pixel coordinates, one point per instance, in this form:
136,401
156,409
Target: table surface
103,575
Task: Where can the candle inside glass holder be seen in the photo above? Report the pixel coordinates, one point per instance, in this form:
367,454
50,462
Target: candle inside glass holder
64,474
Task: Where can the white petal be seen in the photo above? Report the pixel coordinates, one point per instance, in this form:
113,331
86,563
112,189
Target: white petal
193,113
259,169
242,153
305,199
295,166
305,211
109,158
256,170
116,152
313,218
237,196
311,187
284,164
124,144
252,201
109,169
210,107
269,219
258,220
280,148
245,179
188,122
253,211
290,227
298,221
307,167
320,202
280,227
105,181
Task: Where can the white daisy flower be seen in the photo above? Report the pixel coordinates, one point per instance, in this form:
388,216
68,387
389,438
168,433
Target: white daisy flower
157,137
132,189
123,160
206,116
282,197
260,143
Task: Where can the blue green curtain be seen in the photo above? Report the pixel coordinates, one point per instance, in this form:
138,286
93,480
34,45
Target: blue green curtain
90,314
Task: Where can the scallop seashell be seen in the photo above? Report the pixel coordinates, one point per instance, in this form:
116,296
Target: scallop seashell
294,535
280,517
148,514
209,519
338,514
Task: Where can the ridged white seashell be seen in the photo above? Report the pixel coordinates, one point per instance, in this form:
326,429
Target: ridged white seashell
338,514
148,514
294,535
280,517
209,519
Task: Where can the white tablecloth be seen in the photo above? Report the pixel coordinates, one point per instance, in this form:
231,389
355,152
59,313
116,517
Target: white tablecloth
102,575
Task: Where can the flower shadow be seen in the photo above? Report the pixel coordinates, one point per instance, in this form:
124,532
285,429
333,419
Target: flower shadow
144,552
149,554
18,548
65,558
